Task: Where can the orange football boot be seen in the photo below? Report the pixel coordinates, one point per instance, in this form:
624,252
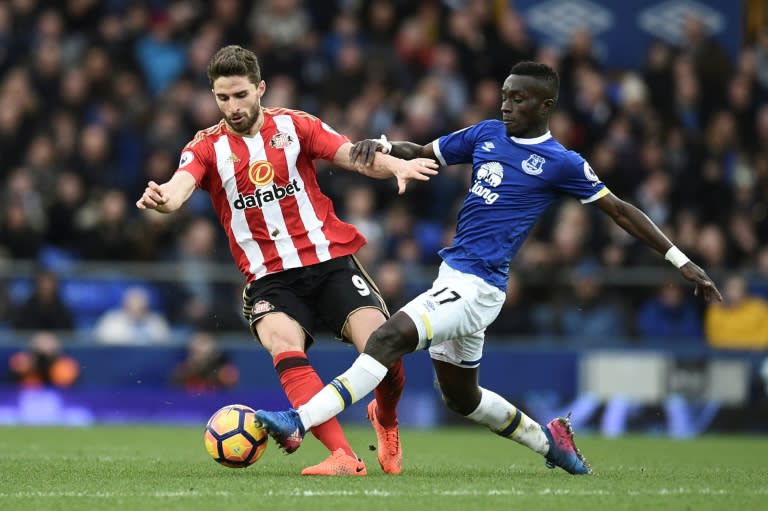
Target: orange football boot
339,463
389,451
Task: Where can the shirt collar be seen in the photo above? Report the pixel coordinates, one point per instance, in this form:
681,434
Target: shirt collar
532,141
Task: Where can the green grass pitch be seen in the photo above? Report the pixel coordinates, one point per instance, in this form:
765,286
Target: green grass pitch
147,468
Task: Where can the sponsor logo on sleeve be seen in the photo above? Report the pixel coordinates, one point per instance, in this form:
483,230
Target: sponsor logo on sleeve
329,129
186,159
590,174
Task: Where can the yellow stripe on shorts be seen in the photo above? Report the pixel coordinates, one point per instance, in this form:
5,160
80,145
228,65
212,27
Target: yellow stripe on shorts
427,325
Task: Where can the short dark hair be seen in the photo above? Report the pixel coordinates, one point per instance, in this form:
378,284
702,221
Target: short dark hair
234,60
541,72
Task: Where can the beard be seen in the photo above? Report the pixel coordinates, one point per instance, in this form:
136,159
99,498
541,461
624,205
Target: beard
245,121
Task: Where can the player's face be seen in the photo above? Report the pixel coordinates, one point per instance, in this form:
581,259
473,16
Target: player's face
525,107
240,102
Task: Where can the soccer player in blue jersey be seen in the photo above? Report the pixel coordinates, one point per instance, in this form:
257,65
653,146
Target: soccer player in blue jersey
518,170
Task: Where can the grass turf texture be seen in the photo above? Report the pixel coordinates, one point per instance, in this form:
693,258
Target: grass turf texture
146,468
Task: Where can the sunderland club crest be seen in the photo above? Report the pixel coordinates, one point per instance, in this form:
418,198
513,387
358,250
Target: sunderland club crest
261,307
280,140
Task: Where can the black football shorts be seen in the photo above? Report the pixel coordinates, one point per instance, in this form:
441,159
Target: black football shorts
321,296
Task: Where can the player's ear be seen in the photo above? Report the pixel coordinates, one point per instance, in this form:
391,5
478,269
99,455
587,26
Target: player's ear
261,88
547,106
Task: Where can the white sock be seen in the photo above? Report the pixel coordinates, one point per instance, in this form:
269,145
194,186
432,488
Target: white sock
504,419
348,388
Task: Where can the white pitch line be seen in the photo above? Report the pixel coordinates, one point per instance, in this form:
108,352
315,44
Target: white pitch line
507,492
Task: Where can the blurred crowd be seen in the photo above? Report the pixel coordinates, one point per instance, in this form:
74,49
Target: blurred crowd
98,97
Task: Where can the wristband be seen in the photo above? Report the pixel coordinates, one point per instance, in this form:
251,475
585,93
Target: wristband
675,256
385,145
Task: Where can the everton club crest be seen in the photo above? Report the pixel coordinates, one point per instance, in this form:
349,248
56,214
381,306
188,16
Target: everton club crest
534,165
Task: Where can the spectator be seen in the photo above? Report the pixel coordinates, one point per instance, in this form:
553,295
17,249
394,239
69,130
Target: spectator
657,74
390,278
758,279
359,207
741,321
94,160
710,61
68,199
513,43
592,315
761,58
45,309
282,23
17,234
5,305
133,322
196,297
161,57
570,233
579,56
205,367
23,218
514,320
669,315
43,364
110,235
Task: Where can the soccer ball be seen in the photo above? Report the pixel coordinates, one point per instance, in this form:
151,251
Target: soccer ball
232,437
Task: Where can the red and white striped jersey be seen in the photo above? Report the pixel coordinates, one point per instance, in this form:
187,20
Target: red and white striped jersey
264,190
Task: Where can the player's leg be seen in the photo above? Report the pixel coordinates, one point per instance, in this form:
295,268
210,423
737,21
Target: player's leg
382,410
456,366
286,340
350,303
396,337
353,287
449,309
463,395
352,292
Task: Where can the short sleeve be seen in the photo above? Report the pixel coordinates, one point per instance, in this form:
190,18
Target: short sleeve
457,147
578,179
194,159
321,142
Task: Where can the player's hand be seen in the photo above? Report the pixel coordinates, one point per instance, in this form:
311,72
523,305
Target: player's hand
364,151
153,197
419,169
704,285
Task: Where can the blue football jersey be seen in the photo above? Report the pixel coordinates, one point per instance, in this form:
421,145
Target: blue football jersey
513,181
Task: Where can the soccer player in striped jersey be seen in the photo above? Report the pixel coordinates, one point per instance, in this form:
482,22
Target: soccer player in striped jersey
518,170
298,258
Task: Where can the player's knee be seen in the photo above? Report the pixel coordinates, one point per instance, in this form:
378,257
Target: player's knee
280,344
279,333
387,344
277,342
460,400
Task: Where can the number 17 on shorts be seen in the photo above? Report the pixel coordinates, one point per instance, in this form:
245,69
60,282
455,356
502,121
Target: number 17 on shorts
457,305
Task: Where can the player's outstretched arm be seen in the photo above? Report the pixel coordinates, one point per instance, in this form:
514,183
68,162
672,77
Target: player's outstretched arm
169,196
385,166
637,223
364,151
